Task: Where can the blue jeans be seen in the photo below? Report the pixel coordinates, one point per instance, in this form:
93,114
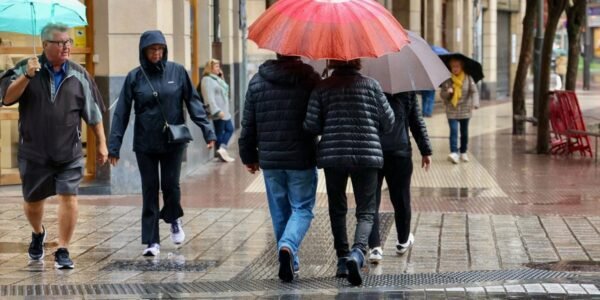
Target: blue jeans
291,195
224,131
464,134
428,102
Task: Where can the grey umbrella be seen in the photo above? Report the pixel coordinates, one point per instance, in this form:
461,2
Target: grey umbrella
414,68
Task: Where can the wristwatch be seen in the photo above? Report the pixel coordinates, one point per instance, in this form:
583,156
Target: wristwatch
27,76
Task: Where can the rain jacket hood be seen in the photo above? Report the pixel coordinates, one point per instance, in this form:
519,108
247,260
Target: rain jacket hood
148,38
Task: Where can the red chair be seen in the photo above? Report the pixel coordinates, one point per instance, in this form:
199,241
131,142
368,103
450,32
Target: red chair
559,138
573,126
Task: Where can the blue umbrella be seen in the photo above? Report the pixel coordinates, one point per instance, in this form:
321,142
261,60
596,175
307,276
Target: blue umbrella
439,50
30,16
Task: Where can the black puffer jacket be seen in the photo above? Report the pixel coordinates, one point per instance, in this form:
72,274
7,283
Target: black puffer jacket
408,115
350,112
275,107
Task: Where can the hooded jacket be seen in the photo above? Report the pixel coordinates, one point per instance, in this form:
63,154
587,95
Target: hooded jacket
408,116
275,107
50,116
350,112
174,88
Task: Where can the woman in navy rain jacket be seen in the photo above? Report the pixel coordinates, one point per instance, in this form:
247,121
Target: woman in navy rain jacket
171,83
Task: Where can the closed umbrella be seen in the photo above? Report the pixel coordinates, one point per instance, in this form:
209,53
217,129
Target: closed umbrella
416,67
328,29
30,16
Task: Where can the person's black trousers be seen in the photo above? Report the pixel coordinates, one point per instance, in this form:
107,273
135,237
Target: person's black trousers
170,169
397,171
364,182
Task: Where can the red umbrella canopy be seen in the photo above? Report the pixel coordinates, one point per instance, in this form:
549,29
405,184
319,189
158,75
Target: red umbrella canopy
328,29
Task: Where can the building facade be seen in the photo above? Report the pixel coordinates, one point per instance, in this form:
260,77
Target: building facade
198,30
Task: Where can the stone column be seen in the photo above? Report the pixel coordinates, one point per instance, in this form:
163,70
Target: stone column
415,16
181,33
205,32
454,27
256,56
408,13
433,17
488,88
468,28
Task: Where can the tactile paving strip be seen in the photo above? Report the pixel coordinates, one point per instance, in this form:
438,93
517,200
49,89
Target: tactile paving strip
159,265
317,255
399,281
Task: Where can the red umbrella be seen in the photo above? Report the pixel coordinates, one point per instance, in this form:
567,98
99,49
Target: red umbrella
328,29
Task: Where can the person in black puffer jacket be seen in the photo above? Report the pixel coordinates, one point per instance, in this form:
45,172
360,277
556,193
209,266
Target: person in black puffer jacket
350,112
398,167
273,139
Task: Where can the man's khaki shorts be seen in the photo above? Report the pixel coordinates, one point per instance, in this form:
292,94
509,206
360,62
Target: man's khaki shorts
42,181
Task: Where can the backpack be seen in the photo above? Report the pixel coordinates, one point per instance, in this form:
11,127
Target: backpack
204,104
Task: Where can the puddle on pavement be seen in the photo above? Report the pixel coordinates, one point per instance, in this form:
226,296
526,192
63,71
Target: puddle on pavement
11,247
459,192
567,266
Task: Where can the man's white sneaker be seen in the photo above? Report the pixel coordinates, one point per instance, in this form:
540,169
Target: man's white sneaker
152,250
375,255
177,234
464,157
453,157
403,248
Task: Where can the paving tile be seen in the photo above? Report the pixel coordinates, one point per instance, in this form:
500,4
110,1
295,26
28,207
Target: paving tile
554,288
495,290
574,289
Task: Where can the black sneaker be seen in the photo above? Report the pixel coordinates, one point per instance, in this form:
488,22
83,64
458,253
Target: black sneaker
62,260
36,247
286,265
342,270
354,263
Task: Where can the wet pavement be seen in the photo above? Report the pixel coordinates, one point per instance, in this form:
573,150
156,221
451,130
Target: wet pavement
507,224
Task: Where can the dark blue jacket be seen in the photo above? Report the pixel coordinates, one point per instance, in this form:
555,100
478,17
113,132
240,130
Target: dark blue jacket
408,116
174,87
350,112
275,107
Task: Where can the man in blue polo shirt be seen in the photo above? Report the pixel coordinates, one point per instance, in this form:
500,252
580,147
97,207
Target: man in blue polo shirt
54,94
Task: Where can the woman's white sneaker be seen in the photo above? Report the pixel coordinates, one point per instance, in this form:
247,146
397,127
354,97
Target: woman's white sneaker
403,248
375,255
177,234
464,157
453,157
152,250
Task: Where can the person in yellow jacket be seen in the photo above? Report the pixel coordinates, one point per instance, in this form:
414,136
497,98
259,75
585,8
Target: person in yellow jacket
460,96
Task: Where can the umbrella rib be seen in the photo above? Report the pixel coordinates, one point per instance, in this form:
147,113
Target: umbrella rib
7,7
387,32
362,28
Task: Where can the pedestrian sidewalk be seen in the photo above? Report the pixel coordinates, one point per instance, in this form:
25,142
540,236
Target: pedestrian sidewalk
492,226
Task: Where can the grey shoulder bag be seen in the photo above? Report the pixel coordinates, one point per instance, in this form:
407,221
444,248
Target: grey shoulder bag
176,133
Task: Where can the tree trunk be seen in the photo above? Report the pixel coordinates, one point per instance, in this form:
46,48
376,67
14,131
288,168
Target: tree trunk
555,9
576,15
525,58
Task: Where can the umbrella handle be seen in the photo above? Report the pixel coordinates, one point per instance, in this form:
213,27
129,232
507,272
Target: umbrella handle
33,24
